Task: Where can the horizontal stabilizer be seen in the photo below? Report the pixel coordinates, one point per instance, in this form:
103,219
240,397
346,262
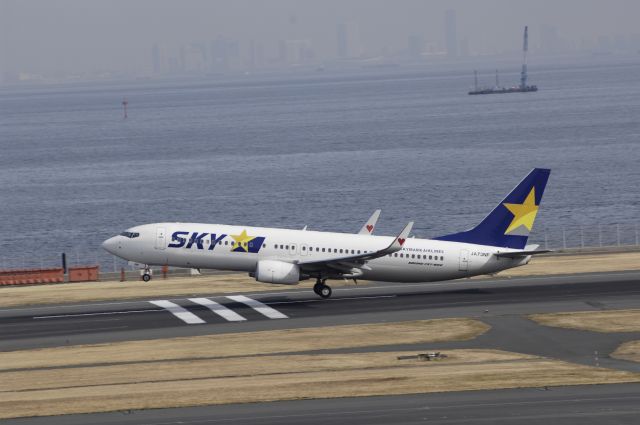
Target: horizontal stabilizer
520,254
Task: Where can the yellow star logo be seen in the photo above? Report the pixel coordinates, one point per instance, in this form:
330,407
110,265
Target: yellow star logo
523,215
242,241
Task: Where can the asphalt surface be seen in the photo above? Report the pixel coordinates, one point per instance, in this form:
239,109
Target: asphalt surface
578,405
501,303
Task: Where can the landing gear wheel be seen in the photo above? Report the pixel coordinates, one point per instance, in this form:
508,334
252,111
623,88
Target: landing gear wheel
317,287
146,277
325,291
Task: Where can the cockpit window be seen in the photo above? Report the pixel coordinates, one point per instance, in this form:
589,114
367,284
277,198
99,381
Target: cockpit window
130,235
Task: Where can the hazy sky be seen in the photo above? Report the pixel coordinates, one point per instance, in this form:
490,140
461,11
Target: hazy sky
82,35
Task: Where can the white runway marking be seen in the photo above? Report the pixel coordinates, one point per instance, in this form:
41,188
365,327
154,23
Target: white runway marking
218,309
181,313
105,313
319,300
261,308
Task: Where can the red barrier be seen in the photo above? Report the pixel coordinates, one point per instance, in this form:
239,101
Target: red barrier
84,274
31,276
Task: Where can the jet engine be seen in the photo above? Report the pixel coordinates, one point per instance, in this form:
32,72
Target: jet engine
273,271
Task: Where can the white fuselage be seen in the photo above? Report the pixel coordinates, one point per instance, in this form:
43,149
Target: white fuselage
419,260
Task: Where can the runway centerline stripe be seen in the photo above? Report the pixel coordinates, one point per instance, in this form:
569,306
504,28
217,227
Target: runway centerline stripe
104,313
180,312
261,308
218,309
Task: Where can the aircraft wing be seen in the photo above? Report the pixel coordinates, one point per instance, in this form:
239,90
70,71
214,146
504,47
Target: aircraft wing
351,265
370,225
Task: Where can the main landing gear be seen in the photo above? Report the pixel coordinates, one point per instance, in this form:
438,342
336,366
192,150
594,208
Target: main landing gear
146,274
321,289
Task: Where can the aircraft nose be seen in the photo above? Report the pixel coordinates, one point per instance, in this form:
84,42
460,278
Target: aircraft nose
110,245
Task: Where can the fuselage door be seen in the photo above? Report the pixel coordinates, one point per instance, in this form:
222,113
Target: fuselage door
292,249
161,241
464,260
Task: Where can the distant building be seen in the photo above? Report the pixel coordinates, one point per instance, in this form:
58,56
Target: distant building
295,52
193,58
7,74
225,55
416,46
256,55
156,60
451,33
464,47
349,46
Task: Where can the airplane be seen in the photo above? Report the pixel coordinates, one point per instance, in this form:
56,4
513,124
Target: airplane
370,225
286,256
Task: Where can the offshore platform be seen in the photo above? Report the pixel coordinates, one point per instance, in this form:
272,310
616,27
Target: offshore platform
522,88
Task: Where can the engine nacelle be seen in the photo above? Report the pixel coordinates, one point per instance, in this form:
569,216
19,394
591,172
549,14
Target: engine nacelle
274,271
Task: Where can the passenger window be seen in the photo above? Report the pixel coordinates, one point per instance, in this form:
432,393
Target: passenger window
304,248
281,246
430,257
322,249
441,258
413,255
401,255
286,247
358,251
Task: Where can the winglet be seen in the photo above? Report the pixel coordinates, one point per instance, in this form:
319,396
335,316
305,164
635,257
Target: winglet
370,225
399,241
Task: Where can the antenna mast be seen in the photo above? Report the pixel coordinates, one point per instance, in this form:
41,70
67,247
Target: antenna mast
525,48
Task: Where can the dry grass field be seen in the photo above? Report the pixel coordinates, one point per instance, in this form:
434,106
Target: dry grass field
143,385
246,344
628,351
596,321
577,263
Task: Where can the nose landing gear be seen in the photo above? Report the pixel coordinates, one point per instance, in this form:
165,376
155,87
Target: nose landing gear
322,289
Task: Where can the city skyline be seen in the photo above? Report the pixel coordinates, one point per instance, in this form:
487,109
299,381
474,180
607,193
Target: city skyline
72,37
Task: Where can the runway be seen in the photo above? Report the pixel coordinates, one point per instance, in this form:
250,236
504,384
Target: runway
501,303
576,405
495,301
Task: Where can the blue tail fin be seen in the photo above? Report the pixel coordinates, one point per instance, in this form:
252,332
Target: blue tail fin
509,224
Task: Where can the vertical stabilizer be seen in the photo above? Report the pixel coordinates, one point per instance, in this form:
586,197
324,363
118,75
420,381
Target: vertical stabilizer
511,221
